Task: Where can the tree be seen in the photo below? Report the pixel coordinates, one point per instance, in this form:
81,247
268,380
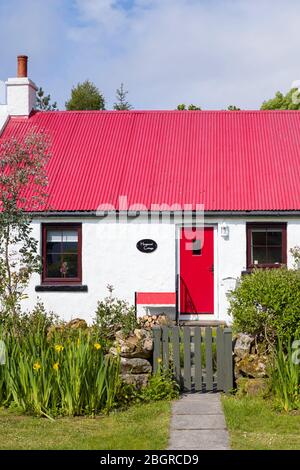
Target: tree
122,104
23,183
291,100
43,101
191,107
85,96
232,107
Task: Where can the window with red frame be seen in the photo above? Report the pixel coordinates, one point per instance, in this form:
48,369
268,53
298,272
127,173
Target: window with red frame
62,253
266,245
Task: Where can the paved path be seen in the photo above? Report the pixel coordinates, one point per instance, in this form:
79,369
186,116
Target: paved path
198,423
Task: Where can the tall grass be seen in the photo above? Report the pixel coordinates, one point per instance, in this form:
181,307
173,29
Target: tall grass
60,376
285,377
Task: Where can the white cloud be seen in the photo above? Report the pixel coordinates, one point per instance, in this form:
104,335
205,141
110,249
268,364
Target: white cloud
209,52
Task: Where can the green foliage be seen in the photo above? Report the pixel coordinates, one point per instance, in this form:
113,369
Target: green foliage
285,376
190,107
295,252
232,107
43,102
85,96
38,321
121,96
113,314
55,377
22,165
267,303
161,386
291,100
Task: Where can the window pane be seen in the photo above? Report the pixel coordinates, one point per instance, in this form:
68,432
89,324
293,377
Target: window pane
274,255
259,255
68,266
274,237
259,237
197,247
69,236
62,254
53,265
69,247
54,236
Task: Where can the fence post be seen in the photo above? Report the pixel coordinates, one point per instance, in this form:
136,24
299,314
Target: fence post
165,346
156,347
228,364
187,358
176,352
220,358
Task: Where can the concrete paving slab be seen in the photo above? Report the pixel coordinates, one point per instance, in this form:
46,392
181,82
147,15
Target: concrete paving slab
185,422
199,440
197,407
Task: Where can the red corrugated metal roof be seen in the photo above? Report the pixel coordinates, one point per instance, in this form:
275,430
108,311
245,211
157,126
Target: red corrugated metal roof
226,160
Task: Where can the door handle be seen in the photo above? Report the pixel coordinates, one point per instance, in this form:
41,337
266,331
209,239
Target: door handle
212,269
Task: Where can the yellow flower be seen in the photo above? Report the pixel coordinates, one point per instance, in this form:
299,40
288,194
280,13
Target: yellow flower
159,360
97,346
59,348
56,366
118,349
36,366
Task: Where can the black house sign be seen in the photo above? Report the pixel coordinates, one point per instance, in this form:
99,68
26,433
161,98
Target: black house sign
146,245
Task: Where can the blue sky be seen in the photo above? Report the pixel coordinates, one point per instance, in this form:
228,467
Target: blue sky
212,53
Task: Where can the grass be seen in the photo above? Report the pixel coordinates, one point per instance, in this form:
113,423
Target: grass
254,424
141,427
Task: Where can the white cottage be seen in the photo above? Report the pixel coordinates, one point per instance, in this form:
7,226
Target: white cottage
169,207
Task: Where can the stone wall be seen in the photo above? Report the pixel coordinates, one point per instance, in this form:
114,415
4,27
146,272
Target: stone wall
135,350
250,364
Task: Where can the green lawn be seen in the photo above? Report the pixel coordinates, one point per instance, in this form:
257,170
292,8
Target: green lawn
255,425
143,427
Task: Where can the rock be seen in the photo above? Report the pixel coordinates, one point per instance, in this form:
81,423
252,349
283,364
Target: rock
253,365
135,366
138,344
252,387
138,380
76,324
243,345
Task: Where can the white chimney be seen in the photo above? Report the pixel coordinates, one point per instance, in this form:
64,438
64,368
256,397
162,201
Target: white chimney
20,91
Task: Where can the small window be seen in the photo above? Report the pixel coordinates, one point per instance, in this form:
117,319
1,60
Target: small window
61,253
266,245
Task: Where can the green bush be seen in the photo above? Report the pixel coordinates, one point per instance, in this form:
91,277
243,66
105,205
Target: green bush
114,314
36,321
266,303
161,386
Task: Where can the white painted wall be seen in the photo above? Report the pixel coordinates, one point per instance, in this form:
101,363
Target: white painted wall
3,116
110,256
21,96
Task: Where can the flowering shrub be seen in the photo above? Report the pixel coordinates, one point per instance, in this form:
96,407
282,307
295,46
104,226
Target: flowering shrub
53,378
114,314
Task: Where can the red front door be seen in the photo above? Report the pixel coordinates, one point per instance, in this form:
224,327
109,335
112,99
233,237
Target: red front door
197,271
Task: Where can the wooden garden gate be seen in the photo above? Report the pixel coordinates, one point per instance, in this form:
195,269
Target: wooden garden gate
199,357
